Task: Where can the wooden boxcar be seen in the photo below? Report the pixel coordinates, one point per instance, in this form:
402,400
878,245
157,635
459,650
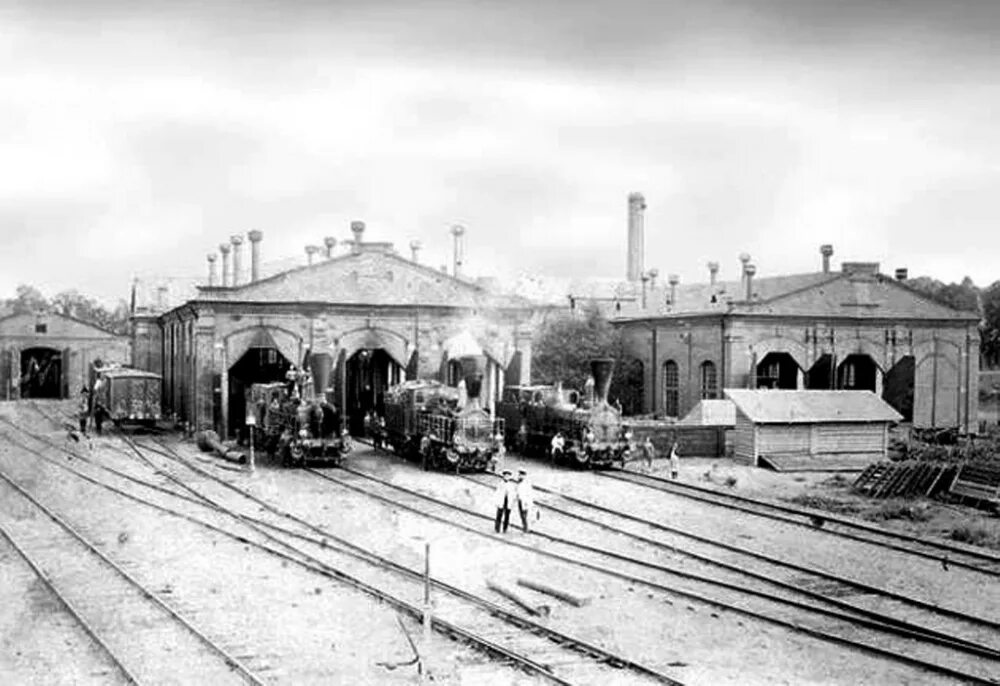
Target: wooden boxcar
128,395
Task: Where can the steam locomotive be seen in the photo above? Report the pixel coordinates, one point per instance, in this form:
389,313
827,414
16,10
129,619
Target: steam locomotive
295,420
592,429
423,421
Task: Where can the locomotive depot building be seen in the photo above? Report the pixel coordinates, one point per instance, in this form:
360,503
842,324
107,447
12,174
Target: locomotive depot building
380,316
48,355
853,329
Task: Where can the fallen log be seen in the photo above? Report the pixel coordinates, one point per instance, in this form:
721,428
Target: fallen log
517,599
564,596
208,442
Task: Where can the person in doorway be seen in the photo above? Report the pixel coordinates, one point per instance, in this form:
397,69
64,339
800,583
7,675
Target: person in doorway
503,498
675,461
557,446
525,500
649,452
83,409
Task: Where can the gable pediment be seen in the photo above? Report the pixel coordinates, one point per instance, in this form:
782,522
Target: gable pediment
373,278
857,296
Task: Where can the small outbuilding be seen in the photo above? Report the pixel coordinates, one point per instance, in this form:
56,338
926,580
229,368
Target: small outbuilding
821,430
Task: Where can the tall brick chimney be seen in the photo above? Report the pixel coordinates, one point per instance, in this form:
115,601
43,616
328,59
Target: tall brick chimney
237,241
826,250
311,251
749,270
713,272
211,268
224,248
415,247
330,243
358,229
255,237
458,231
636,240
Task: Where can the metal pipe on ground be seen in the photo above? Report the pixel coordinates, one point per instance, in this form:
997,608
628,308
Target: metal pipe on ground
518,599
565,596
208,441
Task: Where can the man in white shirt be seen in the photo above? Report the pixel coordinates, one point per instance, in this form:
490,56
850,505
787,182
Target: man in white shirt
503,498
525,499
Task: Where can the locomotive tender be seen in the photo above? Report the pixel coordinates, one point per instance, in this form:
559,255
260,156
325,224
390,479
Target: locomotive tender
423,421
593,430
295,421
125,395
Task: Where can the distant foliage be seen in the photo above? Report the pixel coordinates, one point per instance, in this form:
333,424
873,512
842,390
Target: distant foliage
967,296
564,346
28,299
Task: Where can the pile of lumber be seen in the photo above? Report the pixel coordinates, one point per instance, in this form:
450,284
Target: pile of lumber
978,480
909,478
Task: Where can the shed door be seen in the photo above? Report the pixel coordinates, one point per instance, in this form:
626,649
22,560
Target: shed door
6,373
66,369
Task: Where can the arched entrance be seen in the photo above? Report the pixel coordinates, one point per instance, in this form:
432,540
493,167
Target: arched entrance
257,365
778,370
857,372
898,386
41,373
370,371
820,375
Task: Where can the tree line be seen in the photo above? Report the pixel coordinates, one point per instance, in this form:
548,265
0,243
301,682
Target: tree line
71,303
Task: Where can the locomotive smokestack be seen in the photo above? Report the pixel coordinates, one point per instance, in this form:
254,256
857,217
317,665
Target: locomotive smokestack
255,237
321,367
473,367
601,370
636,248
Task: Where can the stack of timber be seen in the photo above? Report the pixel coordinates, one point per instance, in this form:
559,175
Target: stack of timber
908,478
978,480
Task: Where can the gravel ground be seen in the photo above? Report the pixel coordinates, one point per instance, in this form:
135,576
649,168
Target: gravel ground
689,640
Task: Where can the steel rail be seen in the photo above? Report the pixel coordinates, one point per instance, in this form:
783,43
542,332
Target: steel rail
229,659
787,624
713,497
64,601
860,586
576,644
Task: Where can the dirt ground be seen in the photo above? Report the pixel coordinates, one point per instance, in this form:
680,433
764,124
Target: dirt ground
691,641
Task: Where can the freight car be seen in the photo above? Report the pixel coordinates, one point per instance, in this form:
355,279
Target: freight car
295,421
591,428
424,422
125,395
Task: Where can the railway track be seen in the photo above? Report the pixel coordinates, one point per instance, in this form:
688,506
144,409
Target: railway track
836,590
982,561
553,655
887,638
146,639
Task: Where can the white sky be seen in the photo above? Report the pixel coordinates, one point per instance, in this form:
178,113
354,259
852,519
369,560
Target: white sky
133,141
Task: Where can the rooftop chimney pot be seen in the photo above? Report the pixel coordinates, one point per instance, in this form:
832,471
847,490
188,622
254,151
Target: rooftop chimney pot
458,231
713,272
415,247
749,271
237,241
224,248
636,236
358,229
212,257
330,243
255,237
311,251
826,250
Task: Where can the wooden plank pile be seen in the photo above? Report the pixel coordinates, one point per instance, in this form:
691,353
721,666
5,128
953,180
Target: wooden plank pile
908,478
978,480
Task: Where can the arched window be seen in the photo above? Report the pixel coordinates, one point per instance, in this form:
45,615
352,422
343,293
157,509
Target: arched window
709,380
671,389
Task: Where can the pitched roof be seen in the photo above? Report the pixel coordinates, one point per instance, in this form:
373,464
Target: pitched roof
799,407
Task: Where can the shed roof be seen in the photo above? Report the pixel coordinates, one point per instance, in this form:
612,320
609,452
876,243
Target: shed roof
801,407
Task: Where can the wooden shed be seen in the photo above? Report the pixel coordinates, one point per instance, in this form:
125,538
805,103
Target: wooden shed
810,429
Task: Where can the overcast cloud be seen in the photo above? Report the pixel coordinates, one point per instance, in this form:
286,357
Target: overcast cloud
133,141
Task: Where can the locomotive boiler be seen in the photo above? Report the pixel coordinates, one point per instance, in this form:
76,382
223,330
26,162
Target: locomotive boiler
296,421
423,421
592,429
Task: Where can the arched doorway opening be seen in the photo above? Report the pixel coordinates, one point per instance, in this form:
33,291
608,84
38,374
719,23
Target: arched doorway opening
898,386
41,373
820,375
778,370
857,372
370,371
257,365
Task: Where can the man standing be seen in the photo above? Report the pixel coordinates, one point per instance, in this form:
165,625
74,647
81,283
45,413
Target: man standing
84,409
557,445
503,498
525,499
649,451
675,461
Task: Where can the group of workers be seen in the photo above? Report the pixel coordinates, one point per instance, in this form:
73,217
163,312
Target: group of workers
647,450
510,492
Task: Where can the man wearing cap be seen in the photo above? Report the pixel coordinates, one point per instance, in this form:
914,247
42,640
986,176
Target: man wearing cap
503,498
525,499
